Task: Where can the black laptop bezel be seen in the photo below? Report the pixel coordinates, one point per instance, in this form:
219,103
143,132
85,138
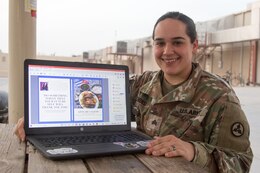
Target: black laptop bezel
78,129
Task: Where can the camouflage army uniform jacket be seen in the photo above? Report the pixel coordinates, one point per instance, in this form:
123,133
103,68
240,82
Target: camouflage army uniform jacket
204,110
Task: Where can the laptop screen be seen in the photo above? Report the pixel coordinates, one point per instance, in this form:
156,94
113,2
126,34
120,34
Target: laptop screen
64,96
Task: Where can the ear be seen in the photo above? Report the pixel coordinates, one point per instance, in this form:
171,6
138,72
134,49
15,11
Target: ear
195,46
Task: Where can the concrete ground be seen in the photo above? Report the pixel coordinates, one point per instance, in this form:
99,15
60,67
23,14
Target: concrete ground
250,101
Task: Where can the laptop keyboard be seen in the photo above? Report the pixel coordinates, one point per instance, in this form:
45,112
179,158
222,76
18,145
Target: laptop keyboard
81,140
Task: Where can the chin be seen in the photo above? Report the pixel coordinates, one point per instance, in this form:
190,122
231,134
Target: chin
170,72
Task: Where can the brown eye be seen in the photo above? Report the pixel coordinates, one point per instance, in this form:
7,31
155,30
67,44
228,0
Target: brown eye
177,43
159,43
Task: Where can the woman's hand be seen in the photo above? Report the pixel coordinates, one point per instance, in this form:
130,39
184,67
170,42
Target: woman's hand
19,129
171,146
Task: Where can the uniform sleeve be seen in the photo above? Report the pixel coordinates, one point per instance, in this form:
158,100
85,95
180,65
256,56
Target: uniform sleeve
226,147
136,82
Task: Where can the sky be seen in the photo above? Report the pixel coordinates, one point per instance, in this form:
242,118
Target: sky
70,27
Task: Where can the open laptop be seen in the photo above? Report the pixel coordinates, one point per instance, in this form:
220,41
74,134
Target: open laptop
78,109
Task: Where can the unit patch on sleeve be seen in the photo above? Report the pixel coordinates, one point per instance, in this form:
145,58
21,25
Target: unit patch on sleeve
237,129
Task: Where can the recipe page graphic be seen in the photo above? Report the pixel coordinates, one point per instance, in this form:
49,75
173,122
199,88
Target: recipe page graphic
88,99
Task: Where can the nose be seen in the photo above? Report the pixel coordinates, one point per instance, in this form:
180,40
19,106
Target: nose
168,49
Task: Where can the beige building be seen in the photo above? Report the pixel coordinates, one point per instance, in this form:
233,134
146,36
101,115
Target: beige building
227,46
128,52
231,45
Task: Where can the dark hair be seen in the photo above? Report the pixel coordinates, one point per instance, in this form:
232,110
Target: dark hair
190,25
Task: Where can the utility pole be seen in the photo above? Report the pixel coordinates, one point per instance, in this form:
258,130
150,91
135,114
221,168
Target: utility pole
22,45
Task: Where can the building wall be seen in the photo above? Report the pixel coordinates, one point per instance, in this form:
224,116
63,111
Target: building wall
3,72
238,27
246,62
60,58
148,58
233,57
3,64
137,62
258,63
234,34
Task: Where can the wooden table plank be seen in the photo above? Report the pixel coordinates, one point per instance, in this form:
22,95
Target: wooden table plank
12,152
117,164
165,165
16,157
38,163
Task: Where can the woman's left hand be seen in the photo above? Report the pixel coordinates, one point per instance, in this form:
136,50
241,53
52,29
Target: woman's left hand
171,146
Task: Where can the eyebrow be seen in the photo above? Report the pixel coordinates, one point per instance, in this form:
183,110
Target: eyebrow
174,38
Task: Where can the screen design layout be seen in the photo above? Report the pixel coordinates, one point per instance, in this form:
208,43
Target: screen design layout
71,96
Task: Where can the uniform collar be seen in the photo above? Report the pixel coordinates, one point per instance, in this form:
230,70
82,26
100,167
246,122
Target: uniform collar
184,92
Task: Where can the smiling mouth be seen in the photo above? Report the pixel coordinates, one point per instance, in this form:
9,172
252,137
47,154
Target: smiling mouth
170,60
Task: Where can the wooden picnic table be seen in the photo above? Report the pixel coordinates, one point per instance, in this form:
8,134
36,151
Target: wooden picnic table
21,157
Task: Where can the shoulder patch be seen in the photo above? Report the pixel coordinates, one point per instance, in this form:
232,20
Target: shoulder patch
237,129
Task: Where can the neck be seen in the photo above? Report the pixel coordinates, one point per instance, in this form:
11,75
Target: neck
177,79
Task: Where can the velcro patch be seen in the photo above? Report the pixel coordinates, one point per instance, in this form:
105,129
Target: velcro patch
237,129
188,111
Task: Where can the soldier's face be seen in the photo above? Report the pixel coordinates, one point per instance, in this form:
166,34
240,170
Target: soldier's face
173,49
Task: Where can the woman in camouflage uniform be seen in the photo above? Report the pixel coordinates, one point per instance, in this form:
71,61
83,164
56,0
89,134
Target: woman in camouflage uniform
190,112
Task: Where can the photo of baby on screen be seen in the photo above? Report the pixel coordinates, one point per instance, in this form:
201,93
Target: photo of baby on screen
88,93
